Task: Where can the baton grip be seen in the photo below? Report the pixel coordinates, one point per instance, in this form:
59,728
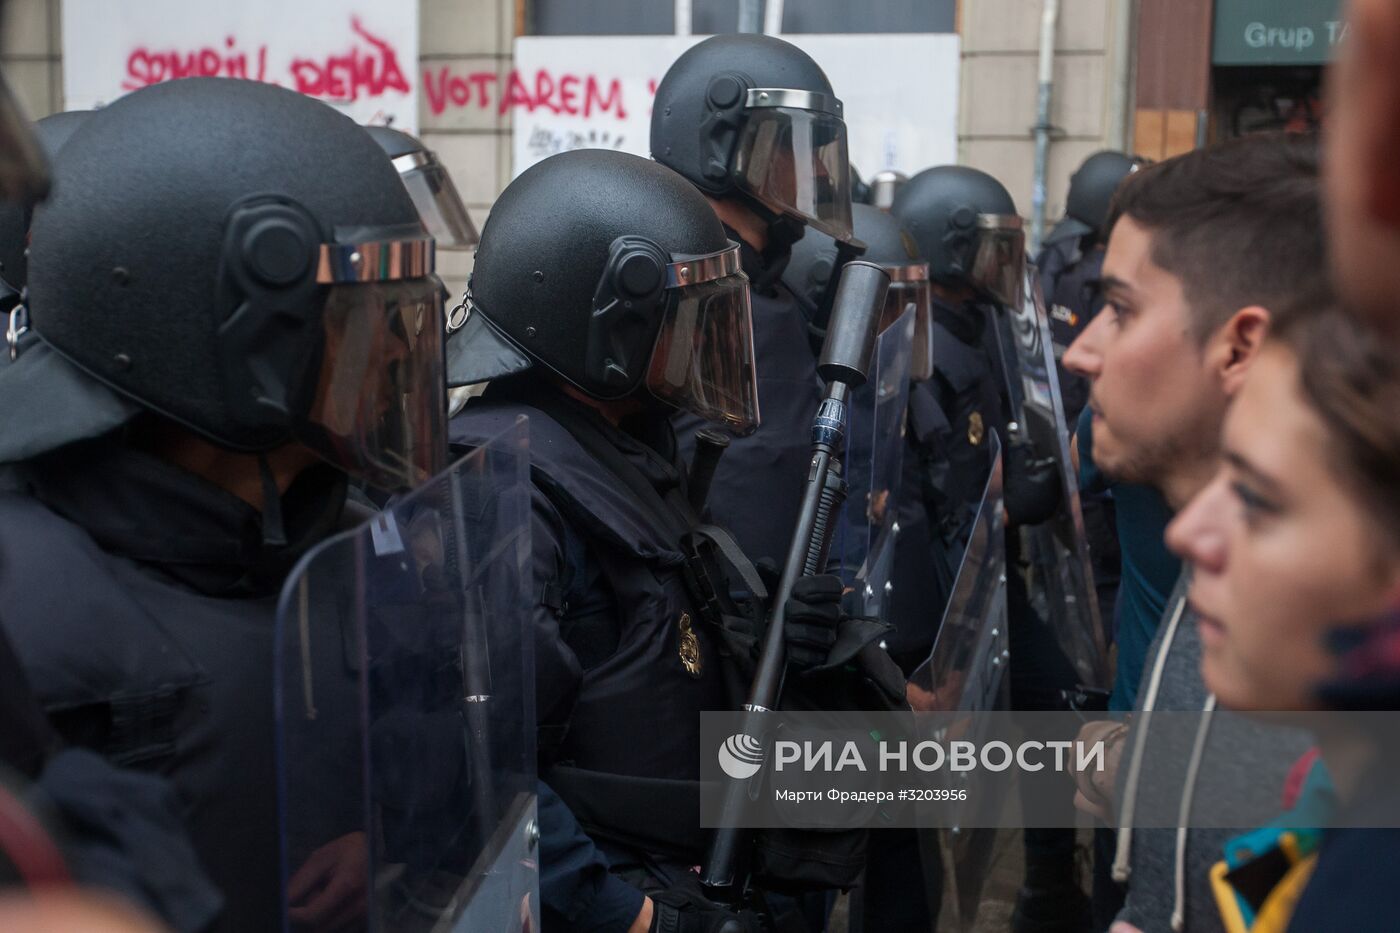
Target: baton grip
832,495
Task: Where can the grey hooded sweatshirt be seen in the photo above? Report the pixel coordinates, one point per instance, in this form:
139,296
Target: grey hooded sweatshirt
1226,765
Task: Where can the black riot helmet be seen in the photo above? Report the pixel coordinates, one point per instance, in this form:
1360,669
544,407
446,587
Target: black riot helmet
431,187
613,274
966,227
888,245
52,132
754,116
1092,186
244,261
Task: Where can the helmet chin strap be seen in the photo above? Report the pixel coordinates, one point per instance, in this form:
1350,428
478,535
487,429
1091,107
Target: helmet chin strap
273,531
783,231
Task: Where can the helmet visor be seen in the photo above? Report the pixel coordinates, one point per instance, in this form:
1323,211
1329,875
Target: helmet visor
437,200
794,160
909,286
378,405
999,264
703,361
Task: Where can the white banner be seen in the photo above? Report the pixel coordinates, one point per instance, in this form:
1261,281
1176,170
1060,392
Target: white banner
359,55
579,92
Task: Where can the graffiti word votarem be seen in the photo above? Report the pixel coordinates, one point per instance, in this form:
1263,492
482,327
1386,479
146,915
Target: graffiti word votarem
830,756
557,93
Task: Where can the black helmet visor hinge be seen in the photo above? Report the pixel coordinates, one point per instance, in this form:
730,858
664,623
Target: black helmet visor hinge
623,321
725,108
271,246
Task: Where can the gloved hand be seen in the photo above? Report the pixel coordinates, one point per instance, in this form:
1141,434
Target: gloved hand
683,908
821,631
813,616
1033,487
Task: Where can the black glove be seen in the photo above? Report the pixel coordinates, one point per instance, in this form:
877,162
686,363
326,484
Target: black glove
683,908
813,616
1033,488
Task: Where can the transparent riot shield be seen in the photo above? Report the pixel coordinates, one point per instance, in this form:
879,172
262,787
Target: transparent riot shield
967,672
405,712
1061,582
873,464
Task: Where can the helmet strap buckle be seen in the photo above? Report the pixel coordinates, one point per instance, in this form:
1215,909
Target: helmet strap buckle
17,328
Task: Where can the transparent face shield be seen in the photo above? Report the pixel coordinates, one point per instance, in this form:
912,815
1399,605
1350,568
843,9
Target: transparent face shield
703,360
792,157
999,266
377,404
909,285
437,200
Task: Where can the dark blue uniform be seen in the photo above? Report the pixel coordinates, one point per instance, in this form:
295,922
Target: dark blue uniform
1070,267
141,601
951,417
625,660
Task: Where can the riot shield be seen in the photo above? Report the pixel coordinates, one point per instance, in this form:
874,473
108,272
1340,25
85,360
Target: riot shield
873,464
1061,582
967,672
405,712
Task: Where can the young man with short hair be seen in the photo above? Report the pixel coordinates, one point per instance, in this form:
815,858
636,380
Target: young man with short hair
1204,249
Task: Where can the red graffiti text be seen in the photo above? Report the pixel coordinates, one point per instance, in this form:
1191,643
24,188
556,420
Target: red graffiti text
576,95
348,76
145,66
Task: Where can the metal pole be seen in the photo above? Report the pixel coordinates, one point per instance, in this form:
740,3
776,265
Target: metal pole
683,19
750,15
1120,89
845,364
1049,18
773,18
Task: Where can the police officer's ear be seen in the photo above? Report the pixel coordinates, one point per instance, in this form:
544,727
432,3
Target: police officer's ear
1236,345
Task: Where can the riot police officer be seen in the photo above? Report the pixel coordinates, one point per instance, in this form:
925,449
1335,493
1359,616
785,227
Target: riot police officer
751,121
605,297
1070,260
966,226
887,898
118,829
809,276
219,337
1069,264
967,229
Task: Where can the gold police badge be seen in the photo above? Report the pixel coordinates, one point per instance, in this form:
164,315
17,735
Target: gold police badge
689,646
976,430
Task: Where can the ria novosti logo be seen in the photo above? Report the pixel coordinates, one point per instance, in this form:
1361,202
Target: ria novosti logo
741,756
